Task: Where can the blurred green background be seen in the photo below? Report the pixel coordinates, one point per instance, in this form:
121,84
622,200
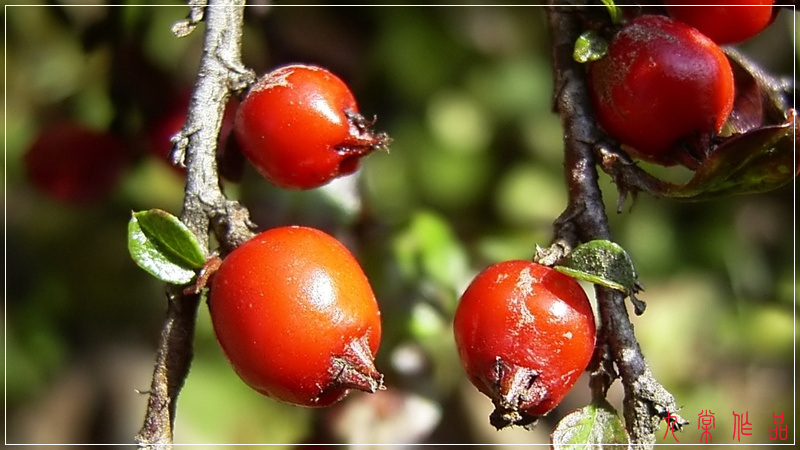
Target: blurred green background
473,176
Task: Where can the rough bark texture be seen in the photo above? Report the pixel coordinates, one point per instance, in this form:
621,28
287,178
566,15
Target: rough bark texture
646,401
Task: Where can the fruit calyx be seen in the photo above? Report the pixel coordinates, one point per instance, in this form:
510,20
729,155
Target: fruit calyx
361,141
514,390
355,368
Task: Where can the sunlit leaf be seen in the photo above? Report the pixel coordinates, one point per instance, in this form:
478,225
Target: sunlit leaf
595,425
162,245
601,262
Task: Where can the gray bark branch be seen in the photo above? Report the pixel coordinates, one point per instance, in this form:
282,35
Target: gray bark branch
205,208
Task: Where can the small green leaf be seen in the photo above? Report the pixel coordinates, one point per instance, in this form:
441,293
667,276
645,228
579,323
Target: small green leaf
594,425
614,11
170,234
759,160
162,245
589,47
601,262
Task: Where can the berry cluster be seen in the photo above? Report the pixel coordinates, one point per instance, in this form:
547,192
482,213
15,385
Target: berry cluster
665,87
524,331
292,309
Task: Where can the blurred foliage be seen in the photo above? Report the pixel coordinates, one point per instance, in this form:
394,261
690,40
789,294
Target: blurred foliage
473,176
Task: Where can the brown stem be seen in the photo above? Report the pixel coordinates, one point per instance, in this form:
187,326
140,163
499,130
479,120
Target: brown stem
645,399
173,358
205,207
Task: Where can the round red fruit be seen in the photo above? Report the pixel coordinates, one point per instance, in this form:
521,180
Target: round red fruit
300,127
724,21
524,333
296,317
75,164
662,84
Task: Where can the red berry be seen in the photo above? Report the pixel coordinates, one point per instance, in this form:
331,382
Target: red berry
300,127
75,164
728,22
661,84
524,333
296,317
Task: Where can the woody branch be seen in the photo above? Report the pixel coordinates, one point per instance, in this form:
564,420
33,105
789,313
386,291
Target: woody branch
646,400
205,207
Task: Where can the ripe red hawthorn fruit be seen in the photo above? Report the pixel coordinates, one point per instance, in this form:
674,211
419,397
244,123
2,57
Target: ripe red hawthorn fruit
300,127
75,164
661,84
524,333
296,317
727,21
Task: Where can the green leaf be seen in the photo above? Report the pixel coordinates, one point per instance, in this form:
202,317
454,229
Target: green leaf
601,262
162,245
594,425
172,236
589,47
760,160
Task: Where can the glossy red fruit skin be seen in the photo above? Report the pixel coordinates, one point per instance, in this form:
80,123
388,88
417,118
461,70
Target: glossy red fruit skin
287,306
300,127
75,164
529,316
660,83
724,21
